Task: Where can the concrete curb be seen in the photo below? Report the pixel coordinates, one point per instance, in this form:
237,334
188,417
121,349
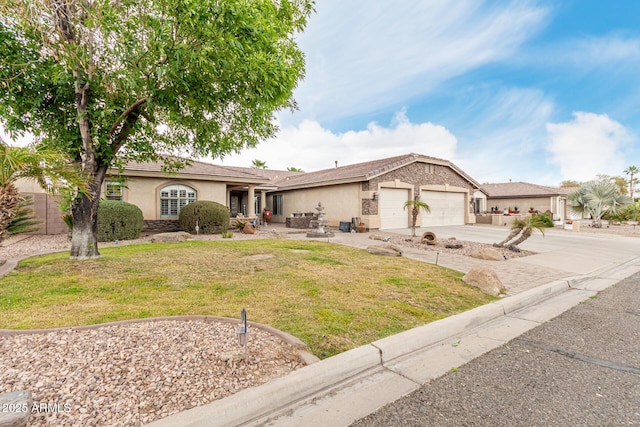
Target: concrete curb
275,396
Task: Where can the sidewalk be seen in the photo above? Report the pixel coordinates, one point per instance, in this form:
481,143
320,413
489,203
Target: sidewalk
342,389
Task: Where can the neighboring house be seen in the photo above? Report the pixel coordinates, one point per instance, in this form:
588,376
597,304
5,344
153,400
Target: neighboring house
526,196
373,191
376,191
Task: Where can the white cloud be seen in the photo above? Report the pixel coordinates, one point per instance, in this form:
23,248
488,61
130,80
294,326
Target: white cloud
361,58
588,145
311,147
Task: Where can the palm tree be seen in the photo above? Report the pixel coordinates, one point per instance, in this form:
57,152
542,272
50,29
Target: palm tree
527,227
50,169
415,206
516,228
631,171
294,169
259,164
596,198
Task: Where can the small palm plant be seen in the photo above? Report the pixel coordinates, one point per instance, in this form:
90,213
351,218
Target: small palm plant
524,228
415,206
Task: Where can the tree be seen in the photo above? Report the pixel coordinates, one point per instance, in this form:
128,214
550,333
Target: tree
258,164
52,170
110,82
415,206
293,169
632,171
619,181
596,198
568,183
524,228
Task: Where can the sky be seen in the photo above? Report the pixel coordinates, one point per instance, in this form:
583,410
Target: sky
523,90
526,90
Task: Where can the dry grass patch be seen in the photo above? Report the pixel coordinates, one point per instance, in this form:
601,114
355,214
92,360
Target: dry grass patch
332,297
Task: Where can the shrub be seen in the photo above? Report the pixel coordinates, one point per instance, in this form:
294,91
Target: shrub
211,217
546,219
118,221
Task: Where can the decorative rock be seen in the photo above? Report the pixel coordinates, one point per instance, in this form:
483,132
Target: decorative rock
429,238
178,236
249,229
15,408
485,279
385,250
487,254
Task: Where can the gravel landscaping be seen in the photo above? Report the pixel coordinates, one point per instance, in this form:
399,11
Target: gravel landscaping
132,374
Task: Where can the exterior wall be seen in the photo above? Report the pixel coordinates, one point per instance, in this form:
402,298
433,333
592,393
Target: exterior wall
541,204
415,177
45,209
341,202
145,193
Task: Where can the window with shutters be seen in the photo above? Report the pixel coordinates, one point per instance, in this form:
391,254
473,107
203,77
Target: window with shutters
175,197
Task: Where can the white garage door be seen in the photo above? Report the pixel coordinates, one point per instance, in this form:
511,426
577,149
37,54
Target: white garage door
391,208
446,208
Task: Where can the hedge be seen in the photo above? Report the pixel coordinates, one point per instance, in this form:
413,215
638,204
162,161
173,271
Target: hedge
118,220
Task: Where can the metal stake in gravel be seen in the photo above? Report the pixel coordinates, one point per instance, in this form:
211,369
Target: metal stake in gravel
243,333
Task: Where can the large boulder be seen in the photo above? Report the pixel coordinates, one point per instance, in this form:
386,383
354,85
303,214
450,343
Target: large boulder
485,279
488,254
249,229
15,408
385,250
178,236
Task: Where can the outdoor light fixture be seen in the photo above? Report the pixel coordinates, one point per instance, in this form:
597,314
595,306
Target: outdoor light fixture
376,196
243,333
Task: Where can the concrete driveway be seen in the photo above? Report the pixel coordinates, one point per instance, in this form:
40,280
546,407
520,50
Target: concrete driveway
575,253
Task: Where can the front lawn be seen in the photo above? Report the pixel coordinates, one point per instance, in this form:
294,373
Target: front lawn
332,297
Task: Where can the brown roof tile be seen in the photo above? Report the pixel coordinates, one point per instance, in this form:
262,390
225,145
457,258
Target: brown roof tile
522,189
360,171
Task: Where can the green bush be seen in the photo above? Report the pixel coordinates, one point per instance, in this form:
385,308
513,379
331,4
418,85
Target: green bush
211,217
118,221
546,219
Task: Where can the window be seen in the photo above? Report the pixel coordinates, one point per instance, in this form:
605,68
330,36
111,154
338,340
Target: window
276,205
175,197
113,190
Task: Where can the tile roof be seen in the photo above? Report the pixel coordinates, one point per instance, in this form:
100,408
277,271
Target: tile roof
523,189
360,171
205,169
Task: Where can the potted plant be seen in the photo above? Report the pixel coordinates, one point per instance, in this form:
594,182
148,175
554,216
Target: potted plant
266,215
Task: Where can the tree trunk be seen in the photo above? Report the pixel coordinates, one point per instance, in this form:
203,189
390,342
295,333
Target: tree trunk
9,202
84,237
511,235
524,236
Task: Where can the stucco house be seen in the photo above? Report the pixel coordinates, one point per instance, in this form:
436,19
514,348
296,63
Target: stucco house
376,191
373,191
526,196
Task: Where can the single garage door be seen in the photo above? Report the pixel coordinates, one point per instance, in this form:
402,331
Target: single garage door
391,208
446,208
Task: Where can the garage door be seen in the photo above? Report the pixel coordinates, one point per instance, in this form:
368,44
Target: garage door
446,208
391,208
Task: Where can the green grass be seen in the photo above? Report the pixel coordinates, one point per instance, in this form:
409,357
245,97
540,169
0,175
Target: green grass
332,297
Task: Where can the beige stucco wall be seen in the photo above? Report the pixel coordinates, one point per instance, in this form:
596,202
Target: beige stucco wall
341,202
145,192
541,204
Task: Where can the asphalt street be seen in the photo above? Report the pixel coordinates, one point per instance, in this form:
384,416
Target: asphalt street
582,368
